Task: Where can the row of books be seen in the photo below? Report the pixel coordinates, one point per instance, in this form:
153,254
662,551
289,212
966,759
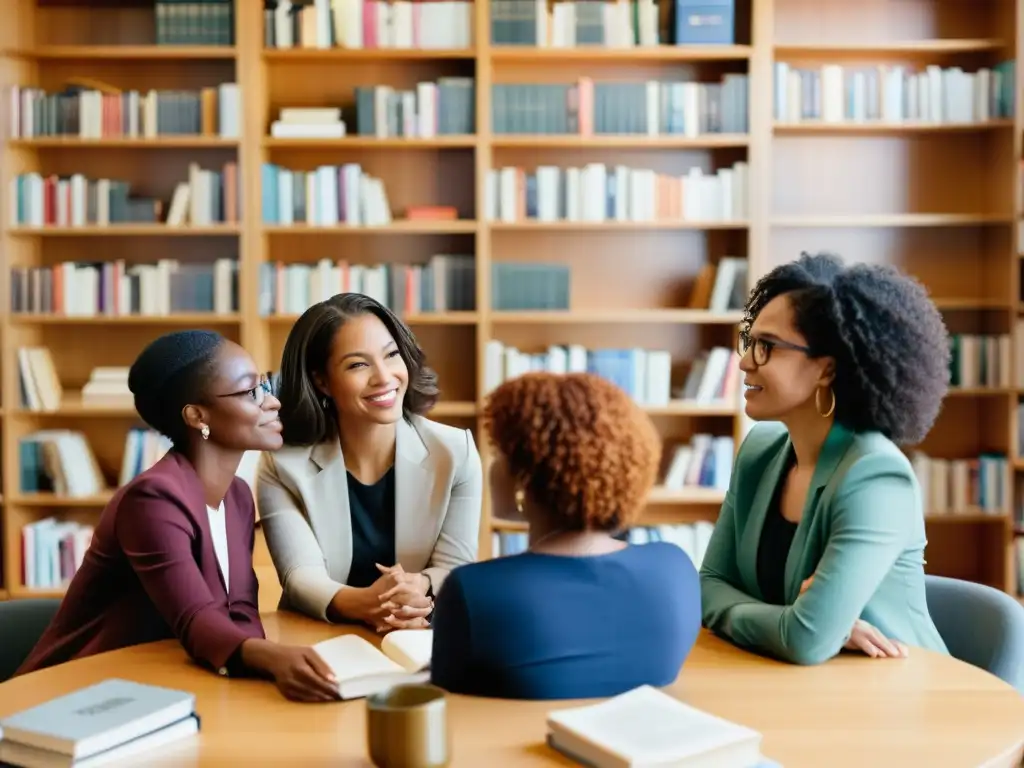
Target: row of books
208,196
446,283
209,22
52,551
368,24
978,485
617,24
692,538
704,462
644,374
116,289
646,108
597,192
41,388
61,461
444,108
327,196
833,93
106,112
980,360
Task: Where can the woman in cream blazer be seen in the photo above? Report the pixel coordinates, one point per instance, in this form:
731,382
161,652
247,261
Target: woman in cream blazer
353,376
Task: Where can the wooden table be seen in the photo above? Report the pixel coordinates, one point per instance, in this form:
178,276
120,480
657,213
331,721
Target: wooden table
853,711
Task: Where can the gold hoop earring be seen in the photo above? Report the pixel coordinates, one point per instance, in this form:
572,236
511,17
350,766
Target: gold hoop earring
817,402
520,497
205,432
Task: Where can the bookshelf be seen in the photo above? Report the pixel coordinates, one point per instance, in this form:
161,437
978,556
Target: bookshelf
872,190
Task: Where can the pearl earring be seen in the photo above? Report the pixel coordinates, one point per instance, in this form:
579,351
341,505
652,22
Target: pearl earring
205,432
520,500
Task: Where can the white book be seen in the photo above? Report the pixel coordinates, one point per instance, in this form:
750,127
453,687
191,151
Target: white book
361,669
647,727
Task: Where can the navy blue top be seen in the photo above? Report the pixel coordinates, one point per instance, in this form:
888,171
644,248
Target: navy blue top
372,510
537,626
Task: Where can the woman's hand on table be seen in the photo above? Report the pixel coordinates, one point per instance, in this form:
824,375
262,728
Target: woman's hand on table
298,671
867,638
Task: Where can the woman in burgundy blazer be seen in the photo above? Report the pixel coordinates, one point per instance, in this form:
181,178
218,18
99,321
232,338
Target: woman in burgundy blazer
171,556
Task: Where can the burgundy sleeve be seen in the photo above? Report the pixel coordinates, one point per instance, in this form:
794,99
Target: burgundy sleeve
156,537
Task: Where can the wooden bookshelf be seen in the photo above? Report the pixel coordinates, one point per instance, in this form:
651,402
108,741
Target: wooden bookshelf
938,199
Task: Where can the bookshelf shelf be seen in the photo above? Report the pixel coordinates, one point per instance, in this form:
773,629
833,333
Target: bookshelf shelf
129,52
653,53
632,282
162,142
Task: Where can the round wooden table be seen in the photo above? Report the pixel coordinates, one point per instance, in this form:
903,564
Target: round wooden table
853,711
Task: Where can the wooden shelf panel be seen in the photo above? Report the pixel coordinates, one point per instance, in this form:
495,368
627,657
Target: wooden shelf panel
400,227
653,53
159,142
57,500
370,142
783,129
894,220
704,141
635,316
624,226
126,230
874,48
132,52
365,54
180,319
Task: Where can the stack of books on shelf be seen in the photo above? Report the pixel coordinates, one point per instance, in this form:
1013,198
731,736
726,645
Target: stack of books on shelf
519,286
887,93
61,462
980,360
328,196
599,193
642,108
91,109
721,286
77,201
643,374
41,389
108,386
115,289
368,24
444,108
142,449
308,123
210,22
52,552
705,462
446,283
980,485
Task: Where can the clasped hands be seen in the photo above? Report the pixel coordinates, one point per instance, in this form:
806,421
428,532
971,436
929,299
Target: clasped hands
402,601
866,638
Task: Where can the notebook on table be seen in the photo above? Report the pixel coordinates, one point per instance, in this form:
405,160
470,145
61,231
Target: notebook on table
646,727
362,669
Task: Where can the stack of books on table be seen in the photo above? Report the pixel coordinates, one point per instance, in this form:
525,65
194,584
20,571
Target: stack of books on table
648,727
112,720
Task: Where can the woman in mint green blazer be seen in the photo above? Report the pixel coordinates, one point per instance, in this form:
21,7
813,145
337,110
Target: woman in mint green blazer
820,543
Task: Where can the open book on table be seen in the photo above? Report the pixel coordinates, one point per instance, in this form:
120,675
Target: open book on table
646,727
362,669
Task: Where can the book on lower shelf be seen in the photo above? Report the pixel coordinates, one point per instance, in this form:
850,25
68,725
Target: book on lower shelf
362,670
112,720
648,727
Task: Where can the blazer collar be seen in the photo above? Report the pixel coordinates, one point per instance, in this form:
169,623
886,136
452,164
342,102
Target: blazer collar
834,448
330,514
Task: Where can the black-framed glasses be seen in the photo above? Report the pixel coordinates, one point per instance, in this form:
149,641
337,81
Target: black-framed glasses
761,349
257,393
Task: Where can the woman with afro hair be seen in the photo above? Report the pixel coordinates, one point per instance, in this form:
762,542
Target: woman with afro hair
819,545
580,614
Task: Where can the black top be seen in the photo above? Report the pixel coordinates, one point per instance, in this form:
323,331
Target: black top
773,549
372,510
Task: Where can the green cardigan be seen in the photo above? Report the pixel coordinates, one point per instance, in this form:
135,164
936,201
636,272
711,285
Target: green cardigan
862,537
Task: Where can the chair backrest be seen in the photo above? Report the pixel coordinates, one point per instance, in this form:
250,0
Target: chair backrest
980,625
22,623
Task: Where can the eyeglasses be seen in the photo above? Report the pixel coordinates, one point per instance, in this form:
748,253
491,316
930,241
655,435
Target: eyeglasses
761,349
258,393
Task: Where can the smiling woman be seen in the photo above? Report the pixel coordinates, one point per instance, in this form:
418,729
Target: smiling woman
172,553
370,505
819,545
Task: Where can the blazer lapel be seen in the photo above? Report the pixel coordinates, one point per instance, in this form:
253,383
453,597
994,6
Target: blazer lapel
328,509
832,453
196,502
758,511
413,496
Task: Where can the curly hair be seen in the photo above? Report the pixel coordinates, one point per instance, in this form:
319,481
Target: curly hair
307,350
583,449
890,343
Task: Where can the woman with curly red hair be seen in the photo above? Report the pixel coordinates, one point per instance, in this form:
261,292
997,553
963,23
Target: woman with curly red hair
580,614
